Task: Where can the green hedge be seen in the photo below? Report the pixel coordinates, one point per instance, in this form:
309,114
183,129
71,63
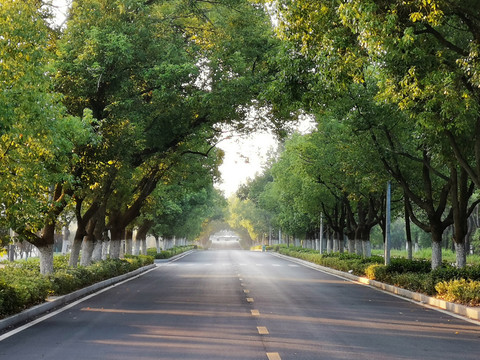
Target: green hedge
447,281
352,263
22,285
167,254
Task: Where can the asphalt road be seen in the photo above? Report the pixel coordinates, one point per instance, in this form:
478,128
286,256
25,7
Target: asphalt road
240,305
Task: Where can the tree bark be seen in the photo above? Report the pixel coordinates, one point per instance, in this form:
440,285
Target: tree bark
129,242
87,251
76,247
46,258
97,251
118,233
367,248
461,255
436,254
351,245
461,194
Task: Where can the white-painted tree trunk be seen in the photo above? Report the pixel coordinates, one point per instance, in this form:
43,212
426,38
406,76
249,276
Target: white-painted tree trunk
436,254
358,247
105,249
409,250
65,240
87,251
144,246
367,248
461,255
157,244
136,246
115,246
128,246
46,259
97,251
329,244
351,246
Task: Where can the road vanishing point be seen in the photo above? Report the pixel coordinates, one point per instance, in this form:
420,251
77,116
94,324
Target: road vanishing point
242,305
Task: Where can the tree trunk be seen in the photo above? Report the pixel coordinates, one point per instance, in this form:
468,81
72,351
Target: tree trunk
115,248
46,258
76,248
157,243
118,234
129,242
358,247
436,254
330,243
105,249
367,248
97,251
341,245
461,255
65,240
87,251
351,245
136,245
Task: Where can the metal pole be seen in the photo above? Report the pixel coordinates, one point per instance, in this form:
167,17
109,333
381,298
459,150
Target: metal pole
321,233
387,225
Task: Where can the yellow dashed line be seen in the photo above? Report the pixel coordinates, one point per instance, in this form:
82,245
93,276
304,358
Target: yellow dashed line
255,312
250,300
273,356
246,291
262,330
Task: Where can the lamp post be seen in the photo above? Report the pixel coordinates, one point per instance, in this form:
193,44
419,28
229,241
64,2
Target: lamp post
387,224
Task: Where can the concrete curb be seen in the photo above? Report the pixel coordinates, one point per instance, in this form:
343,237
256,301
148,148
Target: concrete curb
57,302
458,309
35,311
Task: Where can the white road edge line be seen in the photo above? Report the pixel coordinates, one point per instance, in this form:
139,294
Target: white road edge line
313,267
66,307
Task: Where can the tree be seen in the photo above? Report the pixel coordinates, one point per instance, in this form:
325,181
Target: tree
409,55
157,76
37,136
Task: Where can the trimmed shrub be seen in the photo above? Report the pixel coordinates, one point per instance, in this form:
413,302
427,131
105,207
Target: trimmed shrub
462,291
375,272
402,265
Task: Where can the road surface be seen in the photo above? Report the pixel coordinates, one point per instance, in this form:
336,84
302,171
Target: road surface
241,305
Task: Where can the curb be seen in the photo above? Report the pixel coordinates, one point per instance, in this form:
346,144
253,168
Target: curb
35,311
57,302
469,312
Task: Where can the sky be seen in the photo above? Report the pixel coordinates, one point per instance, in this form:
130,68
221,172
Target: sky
244,158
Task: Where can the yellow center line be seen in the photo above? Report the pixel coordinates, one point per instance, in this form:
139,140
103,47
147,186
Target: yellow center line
246,291
262,330
273,356
255,312
250,300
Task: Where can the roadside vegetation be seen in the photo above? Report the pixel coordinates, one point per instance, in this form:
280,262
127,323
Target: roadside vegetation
22,285
448,282
167,254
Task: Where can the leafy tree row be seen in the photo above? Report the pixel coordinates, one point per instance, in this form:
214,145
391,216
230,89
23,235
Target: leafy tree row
114,116
394,88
